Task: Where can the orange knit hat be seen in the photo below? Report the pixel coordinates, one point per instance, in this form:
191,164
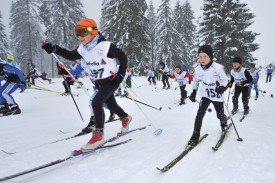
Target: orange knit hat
90,24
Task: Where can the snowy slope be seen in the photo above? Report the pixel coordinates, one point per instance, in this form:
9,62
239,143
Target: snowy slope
44,114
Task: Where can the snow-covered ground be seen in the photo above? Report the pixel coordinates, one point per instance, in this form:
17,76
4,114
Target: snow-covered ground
44,114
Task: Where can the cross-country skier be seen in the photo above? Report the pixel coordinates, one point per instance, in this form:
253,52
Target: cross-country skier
98,59
254,83
213,81
165,75
76,70
14,78
242,78
150,72
181,77
269,73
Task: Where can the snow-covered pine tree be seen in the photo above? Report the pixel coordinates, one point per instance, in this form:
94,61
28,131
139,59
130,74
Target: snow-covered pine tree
26,33
189,30
152,18
224,25
4,45
128,28
59,18
168,50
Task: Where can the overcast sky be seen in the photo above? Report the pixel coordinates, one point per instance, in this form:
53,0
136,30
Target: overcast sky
263,22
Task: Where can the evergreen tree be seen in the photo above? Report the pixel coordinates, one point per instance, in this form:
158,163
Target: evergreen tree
151,16
168,50
59,18
127,28
189,29
224,26
4,46
25,32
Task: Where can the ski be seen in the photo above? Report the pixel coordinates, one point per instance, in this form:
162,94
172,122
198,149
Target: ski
220,141
79,151
6,152
7,114
61,160
183,154
242,118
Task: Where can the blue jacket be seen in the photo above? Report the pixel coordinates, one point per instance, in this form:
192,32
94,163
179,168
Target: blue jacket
12,74
76,69
269,70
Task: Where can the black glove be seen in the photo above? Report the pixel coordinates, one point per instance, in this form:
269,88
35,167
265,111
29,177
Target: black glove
193,96
229,85
49,48
220,89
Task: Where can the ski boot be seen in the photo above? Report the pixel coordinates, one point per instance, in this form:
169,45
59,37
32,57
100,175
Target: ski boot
223,125
89,128
194,140
125,123
112,116
96,141
4,108
234,111
246,111
182,101
14,109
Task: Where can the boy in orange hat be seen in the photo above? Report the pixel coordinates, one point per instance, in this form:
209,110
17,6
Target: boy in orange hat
98,59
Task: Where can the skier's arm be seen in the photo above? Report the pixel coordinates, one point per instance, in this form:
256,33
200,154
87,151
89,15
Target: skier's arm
249,78
70,55
190,78
117,53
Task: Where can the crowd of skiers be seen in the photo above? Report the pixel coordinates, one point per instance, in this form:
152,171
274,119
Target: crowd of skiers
98,58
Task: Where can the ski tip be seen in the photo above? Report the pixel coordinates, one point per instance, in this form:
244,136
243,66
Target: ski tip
240,139
160,108
161,170
77,152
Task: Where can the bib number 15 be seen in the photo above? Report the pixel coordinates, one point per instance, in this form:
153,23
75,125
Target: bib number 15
211,93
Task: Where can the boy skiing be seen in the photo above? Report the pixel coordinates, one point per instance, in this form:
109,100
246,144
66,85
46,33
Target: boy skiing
213,81
254,83
98,59
151,75
242,78
14,78
165,75
181,77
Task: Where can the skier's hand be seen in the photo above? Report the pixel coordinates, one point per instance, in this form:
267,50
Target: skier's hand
49,48
23,86
193,96
117,78
220,89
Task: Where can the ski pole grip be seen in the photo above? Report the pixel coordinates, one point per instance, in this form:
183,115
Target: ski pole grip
44,42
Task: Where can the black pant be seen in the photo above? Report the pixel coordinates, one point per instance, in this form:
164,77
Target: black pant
204,103
165,80
105,94
240,90
268,76
183,92
153,79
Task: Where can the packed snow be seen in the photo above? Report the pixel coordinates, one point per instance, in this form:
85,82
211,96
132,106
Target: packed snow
45,114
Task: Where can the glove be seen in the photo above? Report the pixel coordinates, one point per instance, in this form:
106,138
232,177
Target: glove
193,96
4,76
49,48
229,85
220,89
240,83
29,84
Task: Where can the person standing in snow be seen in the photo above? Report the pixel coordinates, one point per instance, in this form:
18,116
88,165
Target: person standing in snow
76,70
151,75
213,81
254,83
14,78
98,59
38,74
165,75
269,73
242,78
181,77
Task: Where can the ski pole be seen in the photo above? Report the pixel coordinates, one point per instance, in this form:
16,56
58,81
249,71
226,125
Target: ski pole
229,114
144,103
58,61
230,117
228,96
